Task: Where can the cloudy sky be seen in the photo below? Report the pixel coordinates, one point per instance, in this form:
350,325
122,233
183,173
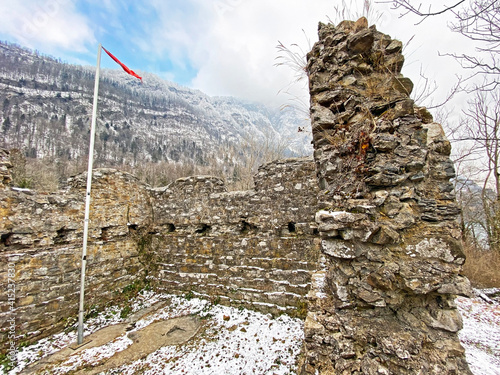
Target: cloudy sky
222,47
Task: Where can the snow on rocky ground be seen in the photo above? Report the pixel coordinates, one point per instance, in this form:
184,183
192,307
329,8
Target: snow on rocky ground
236,342
240,341
480,335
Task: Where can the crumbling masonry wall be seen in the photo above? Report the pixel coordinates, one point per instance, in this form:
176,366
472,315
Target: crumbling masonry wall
256,248
383,302
41,240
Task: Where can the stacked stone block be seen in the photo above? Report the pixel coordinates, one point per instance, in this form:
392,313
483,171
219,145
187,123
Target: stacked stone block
256,248
253,248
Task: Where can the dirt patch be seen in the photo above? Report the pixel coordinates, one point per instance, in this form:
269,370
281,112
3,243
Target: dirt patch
144,341
149,339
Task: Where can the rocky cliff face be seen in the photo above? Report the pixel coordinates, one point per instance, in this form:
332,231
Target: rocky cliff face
5,165
45,110
383,301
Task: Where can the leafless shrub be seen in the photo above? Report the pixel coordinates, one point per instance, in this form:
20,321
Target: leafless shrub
163,173
41,175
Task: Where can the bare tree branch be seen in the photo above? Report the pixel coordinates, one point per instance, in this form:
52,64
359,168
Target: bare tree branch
479,21
481,129
408,8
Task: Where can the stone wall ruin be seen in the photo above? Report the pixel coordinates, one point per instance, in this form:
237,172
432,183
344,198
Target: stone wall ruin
383,300
255,248
41,238
366,232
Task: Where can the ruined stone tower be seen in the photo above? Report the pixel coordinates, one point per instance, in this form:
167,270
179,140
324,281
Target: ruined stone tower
382,301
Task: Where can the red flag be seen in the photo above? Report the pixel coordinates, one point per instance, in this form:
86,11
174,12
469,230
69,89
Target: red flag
124,67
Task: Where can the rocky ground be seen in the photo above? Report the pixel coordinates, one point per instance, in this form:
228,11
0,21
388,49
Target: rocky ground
481,332
184,335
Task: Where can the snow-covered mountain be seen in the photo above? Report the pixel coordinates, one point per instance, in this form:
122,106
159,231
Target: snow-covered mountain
46,106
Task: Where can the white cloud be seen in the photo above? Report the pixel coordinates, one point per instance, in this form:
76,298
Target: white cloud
230,45
50,24
239,51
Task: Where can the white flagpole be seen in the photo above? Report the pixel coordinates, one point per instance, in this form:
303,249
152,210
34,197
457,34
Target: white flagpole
87,199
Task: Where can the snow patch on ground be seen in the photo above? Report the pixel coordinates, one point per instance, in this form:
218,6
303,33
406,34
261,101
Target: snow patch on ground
240,341
235,342
480,335
93,356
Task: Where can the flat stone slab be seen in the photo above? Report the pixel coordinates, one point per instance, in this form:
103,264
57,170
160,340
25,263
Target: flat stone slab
149,339
146,340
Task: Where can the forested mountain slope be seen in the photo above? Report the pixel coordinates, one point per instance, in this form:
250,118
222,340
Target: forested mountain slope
46,106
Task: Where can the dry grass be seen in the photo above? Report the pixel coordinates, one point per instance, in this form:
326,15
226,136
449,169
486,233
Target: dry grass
482,267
